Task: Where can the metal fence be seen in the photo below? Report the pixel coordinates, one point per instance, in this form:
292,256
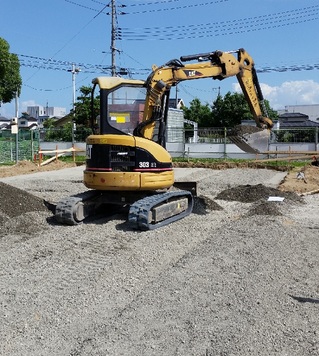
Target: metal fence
26,144
219,135
17,147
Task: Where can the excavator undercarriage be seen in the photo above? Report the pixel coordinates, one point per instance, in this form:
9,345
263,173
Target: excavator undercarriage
146,211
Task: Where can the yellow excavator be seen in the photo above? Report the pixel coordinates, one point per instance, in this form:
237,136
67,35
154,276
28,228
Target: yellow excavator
127,164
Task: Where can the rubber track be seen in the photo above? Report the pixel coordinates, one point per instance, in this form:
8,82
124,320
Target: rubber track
64,211
139,211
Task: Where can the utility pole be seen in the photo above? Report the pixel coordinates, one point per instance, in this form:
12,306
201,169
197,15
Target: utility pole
74,71
113,36
218,88
17,125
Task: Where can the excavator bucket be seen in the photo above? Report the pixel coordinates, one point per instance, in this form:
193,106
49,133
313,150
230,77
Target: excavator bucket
250,139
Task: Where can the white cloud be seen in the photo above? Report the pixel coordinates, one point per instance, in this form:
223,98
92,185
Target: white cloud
8,110
25,104
303,92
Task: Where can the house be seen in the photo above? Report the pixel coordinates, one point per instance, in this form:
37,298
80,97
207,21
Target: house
63,120
289,120
25,122
311,110
4,123
176,103
295,120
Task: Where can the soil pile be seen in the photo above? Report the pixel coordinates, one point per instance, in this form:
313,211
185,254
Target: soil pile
294,181
270,208
203,205
20,212
258,195
243,129
252,193
15,202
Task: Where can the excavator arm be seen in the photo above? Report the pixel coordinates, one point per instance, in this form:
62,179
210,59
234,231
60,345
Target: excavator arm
217,65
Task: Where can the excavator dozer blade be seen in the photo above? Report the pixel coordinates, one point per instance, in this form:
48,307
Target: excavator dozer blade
250,139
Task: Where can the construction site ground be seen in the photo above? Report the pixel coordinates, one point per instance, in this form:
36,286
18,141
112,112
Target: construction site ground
239,276
308,181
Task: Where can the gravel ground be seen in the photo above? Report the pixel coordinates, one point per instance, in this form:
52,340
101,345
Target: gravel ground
237,277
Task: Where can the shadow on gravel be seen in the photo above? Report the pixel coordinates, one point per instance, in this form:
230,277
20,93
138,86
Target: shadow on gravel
304,299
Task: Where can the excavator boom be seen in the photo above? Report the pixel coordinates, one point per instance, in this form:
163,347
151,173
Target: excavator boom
219,66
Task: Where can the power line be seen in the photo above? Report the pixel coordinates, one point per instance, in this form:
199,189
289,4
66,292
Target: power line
54,64
177,8
94,69
230,27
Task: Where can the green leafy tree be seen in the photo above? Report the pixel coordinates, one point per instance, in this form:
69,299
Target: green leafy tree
10,78
66,132
227,111
83,112
51,132
272,114
199,113
230,110
83,106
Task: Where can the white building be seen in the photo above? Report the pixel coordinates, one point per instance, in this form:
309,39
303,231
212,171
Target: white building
41,113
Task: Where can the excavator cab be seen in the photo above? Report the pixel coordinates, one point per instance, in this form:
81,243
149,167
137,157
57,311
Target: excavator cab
121,105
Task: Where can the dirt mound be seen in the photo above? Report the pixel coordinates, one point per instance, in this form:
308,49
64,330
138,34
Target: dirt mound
25,225
244,129
270,208
252,193
15,202
204,205
20,212
307,182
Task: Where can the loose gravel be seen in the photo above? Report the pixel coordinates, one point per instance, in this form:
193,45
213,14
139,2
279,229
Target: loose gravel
239,276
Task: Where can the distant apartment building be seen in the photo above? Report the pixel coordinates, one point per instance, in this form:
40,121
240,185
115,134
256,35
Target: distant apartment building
44,112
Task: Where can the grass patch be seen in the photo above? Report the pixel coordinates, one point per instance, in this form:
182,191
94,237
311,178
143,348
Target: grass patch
218,162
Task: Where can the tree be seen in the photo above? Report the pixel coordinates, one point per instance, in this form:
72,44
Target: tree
230,110
199,113
83,106
227,111
10,78
51,133
83,113
272,114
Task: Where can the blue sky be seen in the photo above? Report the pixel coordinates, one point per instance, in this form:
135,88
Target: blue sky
50,35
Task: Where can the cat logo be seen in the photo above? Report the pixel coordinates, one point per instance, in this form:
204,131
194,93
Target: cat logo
192,73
